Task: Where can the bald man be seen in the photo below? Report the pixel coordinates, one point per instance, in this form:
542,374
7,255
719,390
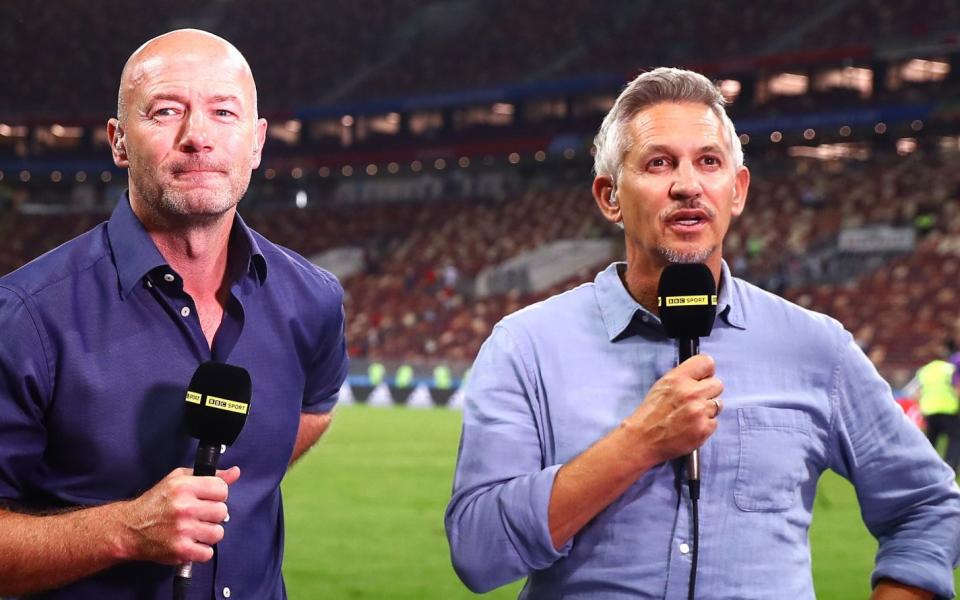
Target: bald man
107,330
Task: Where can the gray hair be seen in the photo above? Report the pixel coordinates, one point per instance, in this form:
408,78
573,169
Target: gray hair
653,87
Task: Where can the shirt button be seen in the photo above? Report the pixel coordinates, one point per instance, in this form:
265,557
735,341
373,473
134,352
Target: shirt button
168,277
185,311
645,319
226,592
684,548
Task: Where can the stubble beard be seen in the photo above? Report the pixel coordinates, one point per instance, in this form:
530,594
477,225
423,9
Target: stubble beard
683,257
198,205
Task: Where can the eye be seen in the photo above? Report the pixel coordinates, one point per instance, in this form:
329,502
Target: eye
166,111
658,162
223,112
710,161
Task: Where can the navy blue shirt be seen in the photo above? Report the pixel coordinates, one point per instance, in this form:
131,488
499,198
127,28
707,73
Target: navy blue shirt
99,343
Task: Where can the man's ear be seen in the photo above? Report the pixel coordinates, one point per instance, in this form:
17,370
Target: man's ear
605,195
118,147
741,186
259,140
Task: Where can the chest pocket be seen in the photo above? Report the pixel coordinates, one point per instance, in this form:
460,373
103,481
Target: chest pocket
774,445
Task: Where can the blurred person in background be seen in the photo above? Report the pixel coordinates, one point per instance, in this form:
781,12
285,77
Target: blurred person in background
103,333
936,387
576,412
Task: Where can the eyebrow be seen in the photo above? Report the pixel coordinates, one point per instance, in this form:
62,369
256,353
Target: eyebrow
217,99
657,148
225,98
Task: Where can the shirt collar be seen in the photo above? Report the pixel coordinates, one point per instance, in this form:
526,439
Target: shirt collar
135,254
247,244
618,308
729,300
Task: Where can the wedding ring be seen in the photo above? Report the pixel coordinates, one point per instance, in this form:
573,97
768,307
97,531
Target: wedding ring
719,406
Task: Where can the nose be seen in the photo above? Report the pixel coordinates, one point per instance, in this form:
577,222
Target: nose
686,185
195,135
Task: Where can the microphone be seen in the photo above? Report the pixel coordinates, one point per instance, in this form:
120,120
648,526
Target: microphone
687,300
218,402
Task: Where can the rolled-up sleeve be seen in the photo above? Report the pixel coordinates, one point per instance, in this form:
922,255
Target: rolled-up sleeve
24,385
496,521
330,365
908,496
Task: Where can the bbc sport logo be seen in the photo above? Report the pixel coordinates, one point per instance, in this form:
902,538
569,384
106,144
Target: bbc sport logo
701,300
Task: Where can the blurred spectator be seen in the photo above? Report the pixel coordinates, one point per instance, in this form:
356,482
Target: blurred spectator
939,403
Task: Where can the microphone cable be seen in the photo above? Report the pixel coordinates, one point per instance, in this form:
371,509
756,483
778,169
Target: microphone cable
694,487
687,305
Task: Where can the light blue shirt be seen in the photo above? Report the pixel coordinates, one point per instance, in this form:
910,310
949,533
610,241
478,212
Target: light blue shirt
800,398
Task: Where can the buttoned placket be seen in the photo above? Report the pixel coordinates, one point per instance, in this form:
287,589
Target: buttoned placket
680,555
167,288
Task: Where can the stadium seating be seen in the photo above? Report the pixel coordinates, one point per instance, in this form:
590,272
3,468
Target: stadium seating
414,299
336,51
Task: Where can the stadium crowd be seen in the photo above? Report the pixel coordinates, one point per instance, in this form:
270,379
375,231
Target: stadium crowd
414,299
366,50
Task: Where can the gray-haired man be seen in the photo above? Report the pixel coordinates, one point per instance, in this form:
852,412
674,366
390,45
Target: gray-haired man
576,408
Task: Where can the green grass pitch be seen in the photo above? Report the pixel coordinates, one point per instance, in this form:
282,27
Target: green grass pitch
364,515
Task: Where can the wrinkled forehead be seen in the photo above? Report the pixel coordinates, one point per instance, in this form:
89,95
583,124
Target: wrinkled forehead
187,66
191,69
677,124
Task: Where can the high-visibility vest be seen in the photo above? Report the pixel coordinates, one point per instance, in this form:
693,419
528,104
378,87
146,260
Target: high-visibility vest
442,378
404,376
375,372
937,394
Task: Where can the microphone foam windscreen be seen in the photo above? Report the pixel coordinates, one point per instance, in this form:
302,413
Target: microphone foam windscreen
687,298
218,401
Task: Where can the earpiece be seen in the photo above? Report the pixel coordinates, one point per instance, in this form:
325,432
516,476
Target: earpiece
118,143
613,197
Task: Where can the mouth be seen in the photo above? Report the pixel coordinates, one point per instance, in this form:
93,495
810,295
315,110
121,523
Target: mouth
198,176
688,219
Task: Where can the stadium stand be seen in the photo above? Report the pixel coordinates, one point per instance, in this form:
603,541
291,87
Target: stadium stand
439,139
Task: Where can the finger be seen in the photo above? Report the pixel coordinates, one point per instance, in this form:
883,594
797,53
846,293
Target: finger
701,427
718,404
210,512
710,408
179,472
707,388
206,488
711,427
230,475
195,552
698,367
208,533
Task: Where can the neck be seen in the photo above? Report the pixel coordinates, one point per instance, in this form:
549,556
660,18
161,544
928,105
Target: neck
642,277
196,249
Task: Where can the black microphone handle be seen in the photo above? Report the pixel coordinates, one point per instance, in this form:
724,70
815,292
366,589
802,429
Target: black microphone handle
691,347
208,456
205,465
